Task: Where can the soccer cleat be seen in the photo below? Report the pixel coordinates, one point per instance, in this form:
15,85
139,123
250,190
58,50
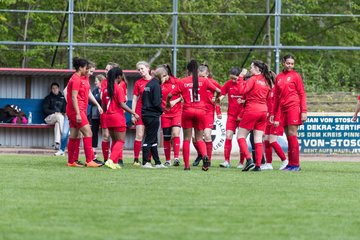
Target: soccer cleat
176,162
167,164
249,165
160,166
98,162
287,168
187,169
256,169
136,163
225,164
295,169
240,166
76,164
121,163
197,161
93,164
206,164
59,153
147,165
266,166
110,164
284,164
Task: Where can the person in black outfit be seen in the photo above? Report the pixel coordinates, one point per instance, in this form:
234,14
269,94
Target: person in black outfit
94,112
54,108
151,111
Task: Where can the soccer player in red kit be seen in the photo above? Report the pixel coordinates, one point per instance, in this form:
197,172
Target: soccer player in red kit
193,91
235,106
114,105
256,89
290,99
272,133
144,70
78,92
357,110
171,118
105,144
210,107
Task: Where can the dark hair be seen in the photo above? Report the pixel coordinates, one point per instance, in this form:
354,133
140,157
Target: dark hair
264,70
168,69
113,74
79,62
193,68
55,84
235,71
289,56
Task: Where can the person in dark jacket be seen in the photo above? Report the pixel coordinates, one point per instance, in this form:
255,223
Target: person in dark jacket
54,109
150,112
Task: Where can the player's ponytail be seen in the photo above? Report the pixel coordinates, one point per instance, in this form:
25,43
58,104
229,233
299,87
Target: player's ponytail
263,68
113,74
192,67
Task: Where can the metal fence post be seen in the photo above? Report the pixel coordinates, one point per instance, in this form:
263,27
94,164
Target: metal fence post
277,35
174,35
70,31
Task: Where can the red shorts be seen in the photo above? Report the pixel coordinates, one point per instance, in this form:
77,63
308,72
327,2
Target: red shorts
231,123
102,121
209,120
115,120
291,116
193,118
272,130
253,121
118,129
168,122
74,124
139,121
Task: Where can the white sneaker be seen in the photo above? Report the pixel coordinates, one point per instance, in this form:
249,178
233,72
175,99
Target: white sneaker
266,166
240,166
147,165
59,153
225,164
284,164
160,166
167,164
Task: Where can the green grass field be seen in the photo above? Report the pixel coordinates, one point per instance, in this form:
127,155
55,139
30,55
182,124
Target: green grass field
41,198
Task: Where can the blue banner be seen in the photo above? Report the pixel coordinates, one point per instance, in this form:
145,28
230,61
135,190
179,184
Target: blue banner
329,134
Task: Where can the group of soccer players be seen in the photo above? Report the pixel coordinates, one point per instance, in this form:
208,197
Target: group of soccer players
258,102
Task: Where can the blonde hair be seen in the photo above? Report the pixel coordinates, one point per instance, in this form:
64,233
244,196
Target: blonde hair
100,77
142,63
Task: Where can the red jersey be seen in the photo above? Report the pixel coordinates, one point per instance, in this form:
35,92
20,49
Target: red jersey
114,114
231,89
82,85
166,88
138,91
289,92
255,90
185,88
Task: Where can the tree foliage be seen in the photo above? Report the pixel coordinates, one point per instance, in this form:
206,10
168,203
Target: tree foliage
321,70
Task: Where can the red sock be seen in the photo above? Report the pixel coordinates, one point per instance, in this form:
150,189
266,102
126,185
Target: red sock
258,153
76,149
295,150
209,148
167,149
137,148
244,148
71,149
121,146
268,151
242,158
202,148
117,151
186,153
227,149
105,146
290,154
89,152
176,146
276,146
196,148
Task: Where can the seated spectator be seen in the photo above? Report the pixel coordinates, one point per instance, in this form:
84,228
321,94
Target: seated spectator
54,109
